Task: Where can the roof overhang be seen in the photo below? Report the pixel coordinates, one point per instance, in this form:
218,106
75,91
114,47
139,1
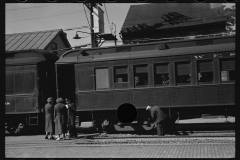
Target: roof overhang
32,56
22,61
150,53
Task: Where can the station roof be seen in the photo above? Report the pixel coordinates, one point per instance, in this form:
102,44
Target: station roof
33,40
159,16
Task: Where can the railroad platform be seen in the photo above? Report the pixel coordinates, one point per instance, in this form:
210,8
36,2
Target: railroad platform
37,147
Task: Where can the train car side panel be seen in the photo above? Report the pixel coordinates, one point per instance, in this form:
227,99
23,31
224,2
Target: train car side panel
21,89
18,105
142,97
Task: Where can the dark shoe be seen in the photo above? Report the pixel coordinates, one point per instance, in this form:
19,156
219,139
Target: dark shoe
51,138
46,137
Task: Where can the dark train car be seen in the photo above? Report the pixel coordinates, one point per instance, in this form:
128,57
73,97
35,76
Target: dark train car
193,76
30,80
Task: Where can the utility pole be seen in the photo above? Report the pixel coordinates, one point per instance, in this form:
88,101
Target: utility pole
93,36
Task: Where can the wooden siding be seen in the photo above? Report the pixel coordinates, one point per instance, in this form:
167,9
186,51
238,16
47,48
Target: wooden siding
60,45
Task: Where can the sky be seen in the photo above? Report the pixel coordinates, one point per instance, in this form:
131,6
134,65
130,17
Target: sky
30,17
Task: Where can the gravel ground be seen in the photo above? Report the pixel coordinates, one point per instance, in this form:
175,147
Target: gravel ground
179,141
200,138
201,134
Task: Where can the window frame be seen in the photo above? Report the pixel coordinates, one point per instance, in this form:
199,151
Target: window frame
197,69
220,69
176,73
147,72
107,78
120,85
163,73
54,46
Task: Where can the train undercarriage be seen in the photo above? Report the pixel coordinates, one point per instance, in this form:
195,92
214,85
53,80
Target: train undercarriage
109,121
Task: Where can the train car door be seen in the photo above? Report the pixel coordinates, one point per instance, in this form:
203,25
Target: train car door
66,81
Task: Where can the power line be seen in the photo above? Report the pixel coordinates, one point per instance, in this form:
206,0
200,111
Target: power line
107,17
86,16
74,28
42,17
40,6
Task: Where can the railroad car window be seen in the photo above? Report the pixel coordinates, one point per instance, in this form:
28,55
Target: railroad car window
227,67
183,75
141,75
121,77
161,75
205,71
102,78
120,74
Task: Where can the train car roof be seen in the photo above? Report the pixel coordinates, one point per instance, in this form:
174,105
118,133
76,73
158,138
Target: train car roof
149,53
175,42
31,56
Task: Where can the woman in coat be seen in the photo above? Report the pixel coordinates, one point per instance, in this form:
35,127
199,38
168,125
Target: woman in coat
49,118
71,118
60,114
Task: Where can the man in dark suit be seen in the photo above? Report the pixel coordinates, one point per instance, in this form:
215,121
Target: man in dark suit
71,118
159,118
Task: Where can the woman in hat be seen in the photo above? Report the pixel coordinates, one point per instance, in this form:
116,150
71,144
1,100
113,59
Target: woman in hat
60,114
49,118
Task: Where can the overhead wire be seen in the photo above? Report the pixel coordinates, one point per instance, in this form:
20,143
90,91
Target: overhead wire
40,6
74,28
86,16
43,17
107,17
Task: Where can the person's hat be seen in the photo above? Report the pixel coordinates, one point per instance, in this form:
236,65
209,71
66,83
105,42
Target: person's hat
59,100
148,107
49,99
